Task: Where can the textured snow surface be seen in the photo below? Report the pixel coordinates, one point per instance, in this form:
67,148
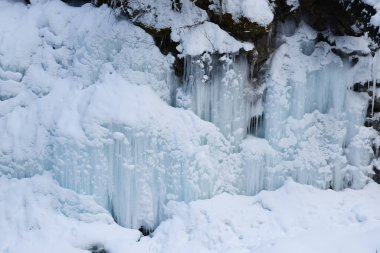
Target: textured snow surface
163,14
295,218
257,11
207,37
36,214
188,24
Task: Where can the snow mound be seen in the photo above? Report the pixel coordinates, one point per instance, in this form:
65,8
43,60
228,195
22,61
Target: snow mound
36,214
295,218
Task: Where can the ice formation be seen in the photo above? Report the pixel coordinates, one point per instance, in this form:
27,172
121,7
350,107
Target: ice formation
87,97
218,90
95,117
312,119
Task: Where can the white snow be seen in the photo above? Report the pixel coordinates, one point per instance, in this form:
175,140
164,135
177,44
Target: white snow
295,218
350,44
36,214
160,14
207,37
257,11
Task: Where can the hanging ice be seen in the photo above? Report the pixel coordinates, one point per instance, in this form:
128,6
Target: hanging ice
221,93
312,118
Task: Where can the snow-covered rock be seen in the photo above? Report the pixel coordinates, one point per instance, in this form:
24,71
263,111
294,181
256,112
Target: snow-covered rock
207,37
256,11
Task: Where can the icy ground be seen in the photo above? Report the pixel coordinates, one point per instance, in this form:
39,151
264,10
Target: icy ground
36,215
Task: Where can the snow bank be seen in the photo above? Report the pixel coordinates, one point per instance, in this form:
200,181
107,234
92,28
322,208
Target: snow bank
295,218
36,214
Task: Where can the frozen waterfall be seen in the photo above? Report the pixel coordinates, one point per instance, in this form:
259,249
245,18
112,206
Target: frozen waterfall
217,88
90,104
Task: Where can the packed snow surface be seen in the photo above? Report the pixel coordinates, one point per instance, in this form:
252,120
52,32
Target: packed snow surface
37,214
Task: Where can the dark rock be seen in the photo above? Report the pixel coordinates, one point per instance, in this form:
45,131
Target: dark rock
176,5
76,3
145,231
376,176
340,17
375,124
97,249
376,108
364,87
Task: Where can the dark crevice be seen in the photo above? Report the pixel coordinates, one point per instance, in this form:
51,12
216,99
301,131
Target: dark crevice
145,231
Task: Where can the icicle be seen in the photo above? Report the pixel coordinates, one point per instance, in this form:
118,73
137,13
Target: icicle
221,93
374,80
